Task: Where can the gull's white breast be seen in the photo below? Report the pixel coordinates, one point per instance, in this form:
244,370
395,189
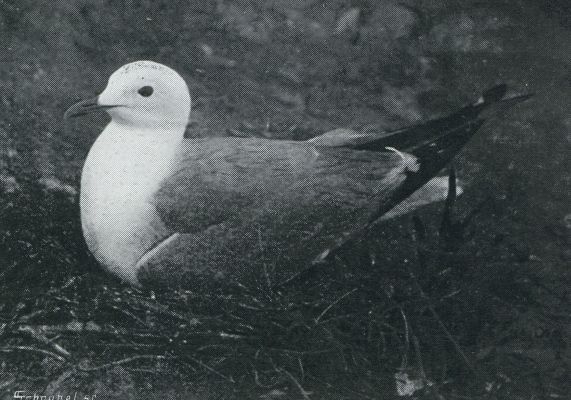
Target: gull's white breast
121,175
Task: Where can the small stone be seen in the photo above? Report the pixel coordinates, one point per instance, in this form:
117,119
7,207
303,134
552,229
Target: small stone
348,21
55,185
9,183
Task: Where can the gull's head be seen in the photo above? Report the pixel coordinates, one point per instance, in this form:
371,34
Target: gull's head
142,94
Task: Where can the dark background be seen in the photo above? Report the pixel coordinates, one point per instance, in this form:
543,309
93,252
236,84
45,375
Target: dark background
295,69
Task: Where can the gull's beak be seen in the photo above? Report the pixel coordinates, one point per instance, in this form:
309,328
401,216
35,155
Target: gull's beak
85,107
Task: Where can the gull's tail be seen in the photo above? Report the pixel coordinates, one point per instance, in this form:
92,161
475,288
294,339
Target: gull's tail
436,142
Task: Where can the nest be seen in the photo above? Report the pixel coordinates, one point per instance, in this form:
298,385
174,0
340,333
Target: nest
415,320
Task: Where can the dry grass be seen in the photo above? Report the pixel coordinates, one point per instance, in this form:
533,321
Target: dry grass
442,317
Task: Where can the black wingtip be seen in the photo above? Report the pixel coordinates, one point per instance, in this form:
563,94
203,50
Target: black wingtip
491,101
432,157
441,139
495,94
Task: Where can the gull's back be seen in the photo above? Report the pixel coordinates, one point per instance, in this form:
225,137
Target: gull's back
222,179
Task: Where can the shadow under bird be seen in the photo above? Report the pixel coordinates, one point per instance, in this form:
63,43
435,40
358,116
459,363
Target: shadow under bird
159,208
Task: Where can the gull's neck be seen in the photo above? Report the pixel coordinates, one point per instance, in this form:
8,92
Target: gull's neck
135,156
122,174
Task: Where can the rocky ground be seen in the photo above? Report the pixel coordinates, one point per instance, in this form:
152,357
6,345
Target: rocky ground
480,313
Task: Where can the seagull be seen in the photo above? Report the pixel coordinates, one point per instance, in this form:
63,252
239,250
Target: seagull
161,209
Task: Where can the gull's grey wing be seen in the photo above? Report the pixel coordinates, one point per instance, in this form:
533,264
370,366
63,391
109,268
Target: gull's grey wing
244,204
222,179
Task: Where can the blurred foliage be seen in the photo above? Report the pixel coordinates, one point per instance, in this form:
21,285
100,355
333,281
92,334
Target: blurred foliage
298,67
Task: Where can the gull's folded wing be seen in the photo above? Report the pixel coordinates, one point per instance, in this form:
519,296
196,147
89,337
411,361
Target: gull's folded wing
242,204
230,179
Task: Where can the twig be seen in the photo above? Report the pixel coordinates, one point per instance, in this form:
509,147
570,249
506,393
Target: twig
261,245
129,346
209,368
439,321
452,340
130,314
8,268
40,337
32,349
420,364
304,393
298,352
7,383
332,304
123,361
258,382
404,363
446,224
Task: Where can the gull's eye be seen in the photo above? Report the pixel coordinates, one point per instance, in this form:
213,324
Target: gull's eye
146,91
